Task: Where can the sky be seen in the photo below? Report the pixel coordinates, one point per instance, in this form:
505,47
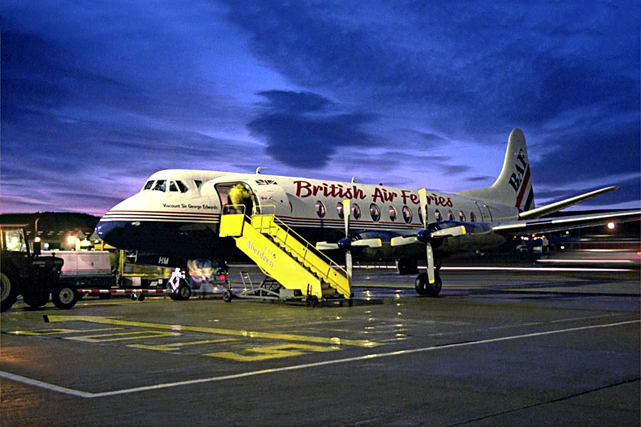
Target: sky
98,95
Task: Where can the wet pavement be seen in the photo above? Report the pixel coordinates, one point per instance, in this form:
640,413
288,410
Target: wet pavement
509,347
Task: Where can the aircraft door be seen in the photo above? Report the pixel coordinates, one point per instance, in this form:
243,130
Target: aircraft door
486,215
270,197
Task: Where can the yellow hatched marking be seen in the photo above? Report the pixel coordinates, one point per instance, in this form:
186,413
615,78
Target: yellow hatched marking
206,330
178,345
56,331
273,352
124,336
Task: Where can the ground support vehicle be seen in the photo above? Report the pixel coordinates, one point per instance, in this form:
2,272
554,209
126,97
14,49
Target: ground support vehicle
26,273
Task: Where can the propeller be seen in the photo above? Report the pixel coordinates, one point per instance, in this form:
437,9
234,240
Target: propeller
347,242
426,235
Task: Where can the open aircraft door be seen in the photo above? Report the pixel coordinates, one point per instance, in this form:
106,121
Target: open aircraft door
486,215
269,195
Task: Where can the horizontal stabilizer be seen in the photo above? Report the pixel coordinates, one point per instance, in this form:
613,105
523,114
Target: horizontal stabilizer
546,225
554,207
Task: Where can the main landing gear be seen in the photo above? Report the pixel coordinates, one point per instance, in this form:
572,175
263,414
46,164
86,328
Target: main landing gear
425,288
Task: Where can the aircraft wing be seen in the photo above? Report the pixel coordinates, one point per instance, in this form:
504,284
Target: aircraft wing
544,225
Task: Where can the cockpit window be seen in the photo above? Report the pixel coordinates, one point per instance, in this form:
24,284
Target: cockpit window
183,188
148,185
173,187
161,185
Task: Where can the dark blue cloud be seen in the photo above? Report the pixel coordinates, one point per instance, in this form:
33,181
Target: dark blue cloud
305,129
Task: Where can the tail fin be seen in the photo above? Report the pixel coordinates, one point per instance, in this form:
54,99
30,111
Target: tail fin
513,187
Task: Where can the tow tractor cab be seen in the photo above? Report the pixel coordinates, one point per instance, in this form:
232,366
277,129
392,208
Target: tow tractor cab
24,273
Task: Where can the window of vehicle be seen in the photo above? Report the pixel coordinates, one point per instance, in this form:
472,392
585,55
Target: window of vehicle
450,216
320,209
461,216
407,214
438,216
14,241
392,213
340,210
198,183
356,211
148,185
173,187
161,185
472,217
375,212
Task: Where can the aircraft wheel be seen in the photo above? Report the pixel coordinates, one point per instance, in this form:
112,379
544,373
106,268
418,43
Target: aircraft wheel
435,288
421,284
64,297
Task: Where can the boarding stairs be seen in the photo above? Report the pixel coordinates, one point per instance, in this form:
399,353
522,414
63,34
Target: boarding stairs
286,257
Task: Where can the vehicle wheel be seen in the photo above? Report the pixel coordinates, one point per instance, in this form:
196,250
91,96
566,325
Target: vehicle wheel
183,292
8,290
64,297
311,301
141,297
36,298
421,284
227,296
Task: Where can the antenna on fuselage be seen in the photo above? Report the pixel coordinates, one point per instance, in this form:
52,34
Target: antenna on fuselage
258,169
353,179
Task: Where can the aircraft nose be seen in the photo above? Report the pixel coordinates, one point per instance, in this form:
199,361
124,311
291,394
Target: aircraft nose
110,232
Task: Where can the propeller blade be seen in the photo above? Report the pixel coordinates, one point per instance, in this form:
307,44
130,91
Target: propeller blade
430,263
348,266
450,232
422,197
368,243
326,246
403,240
347,211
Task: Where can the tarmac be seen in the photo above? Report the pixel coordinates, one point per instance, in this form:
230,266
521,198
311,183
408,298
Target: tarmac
515,346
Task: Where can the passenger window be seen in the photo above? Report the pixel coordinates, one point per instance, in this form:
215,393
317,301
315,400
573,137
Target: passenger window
340,210
356,211
461,216
173,187
320,209
450,216
161,185
472,217
392,213
407,214
437,215
375,212
148,185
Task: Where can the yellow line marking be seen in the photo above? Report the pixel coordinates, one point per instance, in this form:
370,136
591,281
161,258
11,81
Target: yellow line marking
124,336
272,352
179,345
233,332
56,331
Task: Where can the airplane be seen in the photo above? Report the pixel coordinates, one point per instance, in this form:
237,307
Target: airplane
178,212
